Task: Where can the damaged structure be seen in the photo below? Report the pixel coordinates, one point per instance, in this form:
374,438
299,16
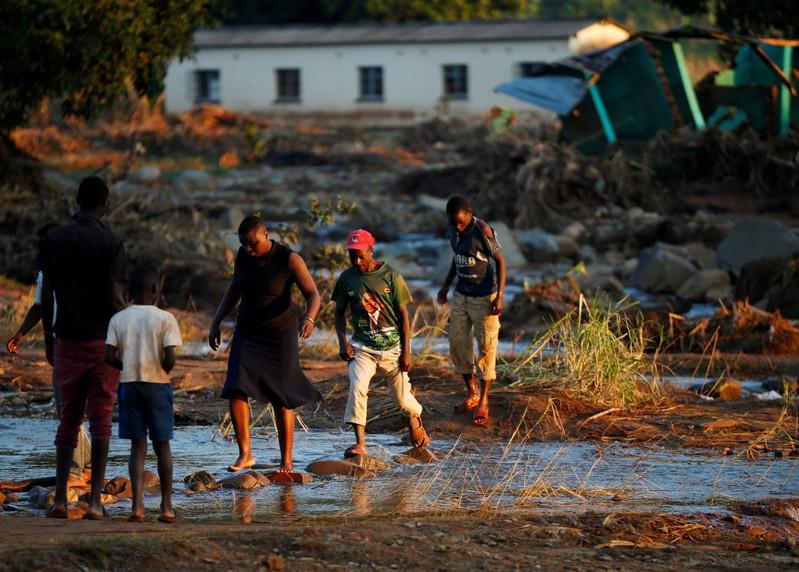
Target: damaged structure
638,87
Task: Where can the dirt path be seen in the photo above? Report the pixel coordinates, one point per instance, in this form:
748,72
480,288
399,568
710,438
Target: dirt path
467,541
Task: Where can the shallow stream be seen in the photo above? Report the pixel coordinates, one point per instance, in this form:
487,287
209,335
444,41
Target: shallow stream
566,476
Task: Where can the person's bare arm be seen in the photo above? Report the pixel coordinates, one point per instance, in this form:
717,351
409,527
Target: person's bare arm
170,358
442,294
48,310
119,291
226,305
32,318
499,257
499,301
313,301
111,357
340,320
405,360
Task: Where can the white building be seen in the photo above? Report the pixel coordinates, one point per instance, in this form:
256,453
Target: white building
403,69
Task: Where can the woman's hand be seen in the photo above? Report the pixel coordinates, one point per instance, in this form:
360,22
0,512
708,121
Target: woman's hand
214,336
306,328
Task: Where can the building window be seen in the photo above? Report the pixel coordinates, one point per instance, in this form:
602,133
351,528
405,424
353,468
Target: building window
456,81
208,86
527,69
288,85
371,83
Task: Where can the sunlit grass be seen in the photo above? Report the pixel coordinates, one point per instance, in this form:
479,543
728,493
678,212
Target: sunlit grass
597,352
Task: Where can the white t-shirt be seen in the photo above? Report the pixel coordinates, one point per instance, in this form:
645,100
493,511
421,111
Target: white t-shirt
141,333
37,294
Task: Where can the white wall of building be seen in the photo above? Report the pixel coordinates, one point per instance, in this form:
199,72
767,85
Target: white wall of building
412,75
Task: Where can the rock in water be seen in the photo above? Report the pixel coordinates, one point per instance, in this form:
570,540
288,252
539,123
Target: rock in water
755,239
150,480
262,479
338,467
538,245
244,481
203,477
369,462
119,486
406,460
293,477
726,389
422,455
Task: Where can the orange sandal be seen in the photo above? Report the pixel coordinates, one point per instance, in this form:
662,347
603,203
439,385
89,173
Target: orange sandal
419,437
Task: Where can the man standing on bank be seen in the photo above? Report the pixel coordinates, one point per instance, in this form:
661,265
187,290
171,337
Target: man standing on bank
378,298
264,361
84,268
476,305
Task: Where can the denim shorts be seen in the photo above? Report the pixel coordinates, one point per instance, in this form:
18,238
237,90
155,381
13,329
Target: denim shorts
145,408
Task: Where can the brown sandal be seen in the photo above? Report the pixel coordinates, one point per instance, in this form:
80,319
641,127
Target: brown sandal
419,437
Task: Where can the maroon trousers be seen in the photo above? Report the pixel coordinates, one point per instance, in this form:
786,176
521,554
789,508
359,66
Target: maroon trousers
88,387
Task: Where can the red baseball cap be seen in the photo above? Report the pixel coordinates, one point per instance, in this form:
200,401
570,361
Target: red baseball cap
360,239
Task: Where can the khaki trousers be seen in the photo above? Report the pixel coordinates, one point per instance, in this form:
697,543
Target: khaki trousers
470,317
365,364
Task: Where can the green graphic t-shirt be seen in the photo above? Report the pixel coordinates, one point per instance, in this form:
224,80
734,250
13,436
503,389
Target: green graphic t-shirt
375,299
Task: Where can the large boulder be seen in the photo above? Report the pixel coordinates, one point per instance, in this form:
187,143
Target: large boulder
696,288
513,254
754,239
401,257
661,269
538,245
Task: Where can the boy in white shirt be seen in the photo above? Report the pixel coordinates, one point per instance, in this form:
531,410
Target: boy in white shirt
141,342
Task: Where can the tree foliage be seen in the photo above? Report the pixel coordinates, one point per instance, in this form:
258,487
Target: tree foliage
768,18
328,11
84,52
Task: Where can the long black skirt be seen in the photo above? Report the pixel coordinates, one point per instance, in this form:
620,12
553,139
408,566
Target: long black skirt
267,368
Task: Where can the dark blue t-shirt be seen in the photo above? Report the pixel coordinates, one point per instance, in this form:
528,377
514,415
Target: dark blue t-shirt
474,255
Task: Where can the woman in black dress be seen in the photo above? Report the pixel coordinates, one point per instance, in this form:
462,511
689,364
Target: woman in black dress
264,354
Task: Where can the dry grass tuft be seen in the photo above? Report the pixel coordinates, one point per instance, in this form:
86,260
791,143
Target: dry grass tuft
596,352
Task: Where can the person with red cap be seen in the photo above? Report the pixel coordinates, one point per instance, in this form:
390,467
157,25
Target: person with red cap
378,299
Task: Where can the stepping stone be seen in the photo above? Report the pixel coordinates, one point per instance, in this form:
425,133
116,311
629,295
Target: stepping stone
406,460
338,467
368,462
293,477
422,455
244,481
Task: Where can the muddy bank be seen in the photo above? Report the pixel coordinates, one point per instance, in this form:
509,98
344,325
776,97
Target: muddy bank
743,539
